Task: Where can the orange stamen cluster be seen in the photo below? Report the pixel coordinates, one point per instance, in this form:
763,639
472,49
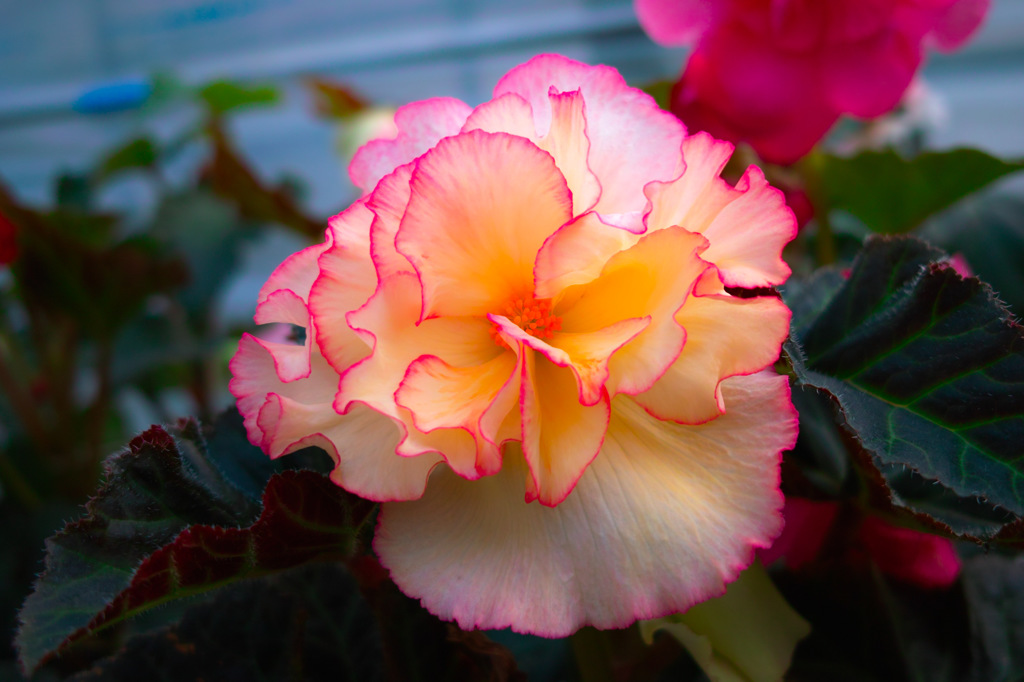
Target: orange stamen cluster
531,315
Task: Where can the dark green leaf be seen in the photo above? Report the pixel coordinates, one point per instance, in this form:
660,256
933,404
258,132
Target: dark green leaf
150,495
306,624
892,194
927,367
305,518
138,153
661,91
168,501
994,588
223,96
73,192
988,231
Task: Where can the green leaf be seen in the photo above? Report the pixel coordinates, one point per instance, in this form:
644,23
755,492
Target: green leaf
747,634
150,495
223,96
166,500
310,623
928,368
891,194
661,91
987,229
138,153
305,518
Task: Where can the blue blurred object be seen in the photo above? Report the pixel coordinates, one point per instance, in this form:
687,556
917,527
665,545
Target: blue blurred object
119,96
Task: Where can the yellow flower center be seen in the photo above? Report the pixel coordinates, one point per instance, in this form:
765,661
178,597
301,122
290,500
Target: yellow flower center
531,315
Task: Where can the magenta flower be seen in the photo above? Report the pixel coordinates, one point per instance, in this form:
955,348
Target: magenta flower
520,340
918,558
778,73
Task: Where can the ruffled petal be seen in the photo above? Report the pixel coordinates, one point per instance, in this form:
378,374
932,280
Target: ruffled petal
421,125
509,113
748,235
746,226
650,280
362,444
346,281
388,321
694,198
725,336
632,141
442,396
255,375
661,520
388,203
472,235
565,139
561,435
296,274
577,253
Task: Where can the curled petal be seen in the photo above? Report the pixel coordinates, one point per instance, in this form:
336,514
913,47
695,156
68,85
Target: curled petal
632,141
388,322
296,274
725,336
561,435
255,374
388,203
747,226
439,395
421,125
362,444
472,235
650,280
661,520
747,236
577,253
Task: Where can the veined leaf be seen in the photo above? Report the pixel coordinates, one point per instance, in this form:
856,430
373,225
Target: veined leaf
169,523
928,368
310,623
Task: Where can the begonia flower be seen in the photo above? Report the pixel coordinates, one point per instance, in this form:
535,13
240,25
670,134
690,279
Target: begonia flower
522,340
778,73
909,555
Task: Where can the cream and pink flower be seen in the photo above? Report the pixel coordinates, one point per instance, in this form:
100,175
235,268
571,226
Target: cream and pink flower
524,340
778,73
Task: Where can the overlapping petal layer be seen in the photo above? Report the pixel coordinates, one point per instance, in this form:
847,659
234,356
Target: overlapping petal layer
662,519
521,340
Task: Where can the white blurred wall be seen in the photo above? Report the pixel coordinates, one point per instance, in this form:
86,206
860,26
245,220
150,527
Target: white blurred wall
53,51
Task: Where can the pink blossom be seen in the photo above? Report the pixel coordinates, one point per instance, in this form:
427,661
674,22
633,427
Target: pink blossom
922,559
778,73
521,342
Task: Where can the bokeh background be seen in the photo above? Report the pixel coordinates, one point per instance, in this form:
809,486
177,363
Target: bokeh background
77,81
